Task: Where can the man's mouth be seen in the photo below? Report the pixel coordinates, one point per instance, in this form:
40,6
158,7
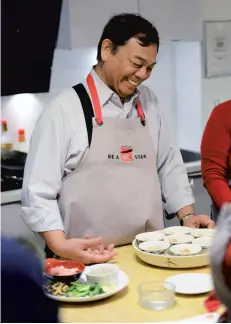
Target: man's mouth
132,82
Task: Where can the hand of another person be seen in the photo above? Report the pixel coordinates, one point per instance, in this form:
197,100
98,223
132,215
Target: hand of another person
86,251
198,221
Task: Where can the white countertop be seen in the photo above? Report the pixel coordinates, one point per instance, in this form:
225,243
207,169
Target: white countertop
10,196
193,168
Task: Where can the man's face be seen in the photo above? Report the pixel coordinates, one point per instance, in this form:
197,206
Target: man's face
129,66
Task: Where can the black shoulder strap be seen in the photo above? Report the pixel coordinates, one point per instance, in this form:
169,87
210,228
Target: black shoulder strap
87,108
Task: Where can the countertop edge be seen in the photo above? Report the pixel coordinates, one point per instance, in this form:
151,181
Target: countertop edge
11,196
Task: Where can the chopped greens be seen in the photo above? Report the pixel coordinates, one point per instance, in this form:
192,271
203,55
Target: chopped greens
75,289
82,290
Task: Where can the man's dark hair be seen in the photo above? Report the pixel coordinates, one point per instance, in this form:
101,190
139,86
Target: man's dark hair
120,28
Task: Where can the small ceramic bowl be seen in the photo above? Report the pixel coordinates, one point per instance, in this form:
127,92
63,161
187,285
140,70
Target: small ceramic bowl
150,236
204,242
202,232
105,274
63,270
185,249
172,230
179,238
156,247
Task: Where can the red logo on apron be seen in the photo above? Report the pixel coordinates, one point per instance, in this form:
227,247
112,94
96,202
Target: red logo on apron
126,153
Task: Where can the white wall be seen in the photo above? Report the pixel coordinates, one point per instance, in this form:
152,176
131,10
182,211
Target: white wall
22,111
217,89
188,78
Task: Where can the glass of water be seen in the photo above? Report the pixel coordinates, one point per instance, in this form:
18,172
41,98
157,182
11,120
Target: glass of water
156,295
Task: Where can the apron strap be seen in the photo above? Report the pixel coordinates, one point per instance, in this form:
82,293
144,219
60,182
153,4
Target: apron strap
87,108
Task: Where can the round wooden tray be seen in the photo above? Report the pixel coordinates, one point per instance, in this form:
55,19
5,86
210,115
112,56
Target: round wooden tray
168,260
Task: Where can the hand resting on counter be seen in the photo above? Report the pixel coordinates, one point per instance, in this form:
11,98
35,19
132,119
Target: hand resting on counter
87,250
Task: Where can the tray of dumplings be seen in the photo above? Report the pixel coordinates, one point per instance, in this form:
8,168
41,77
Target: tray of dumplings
175,247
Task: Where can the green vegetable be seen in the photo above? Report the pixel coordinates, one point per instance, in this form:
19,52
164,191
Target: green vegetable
84,290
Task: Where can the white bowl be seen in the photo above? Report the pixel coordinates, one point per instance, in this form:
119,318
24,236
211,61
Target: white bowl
204,242
185,249
178,238
202,232
150,236
176,230
105,274
156,247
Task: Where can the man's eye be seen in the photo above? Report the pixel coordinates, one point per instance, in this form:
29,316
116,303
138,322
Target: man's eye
138,66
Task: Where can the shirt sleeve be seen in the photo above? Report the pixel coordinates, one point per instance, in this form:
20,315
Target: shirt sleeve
176,190
44,171
215,151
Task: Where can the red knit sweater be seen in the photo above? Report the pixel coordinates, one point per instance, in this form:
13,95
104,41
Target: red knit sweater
216,154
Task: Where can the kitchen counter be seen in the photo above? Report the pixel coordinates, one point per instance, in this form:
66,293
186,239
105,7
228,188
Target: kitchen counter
10,196
124,307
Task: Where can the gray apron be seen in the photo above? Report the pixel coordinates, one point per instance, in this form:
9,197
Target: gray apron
115,192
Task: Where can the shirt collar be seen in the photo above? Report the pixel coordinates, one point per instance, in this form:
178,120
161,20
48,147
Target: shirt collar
105,93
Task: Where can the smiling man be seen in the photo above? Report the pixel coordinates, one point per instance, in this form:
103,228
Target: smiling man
101,160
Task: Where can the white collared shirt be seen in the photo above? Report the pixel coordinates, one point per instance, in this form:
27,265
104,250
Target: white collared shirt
59,144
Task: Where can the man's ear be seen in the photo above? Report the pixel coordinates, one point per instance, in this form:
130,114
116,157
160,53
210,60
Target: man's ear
106,49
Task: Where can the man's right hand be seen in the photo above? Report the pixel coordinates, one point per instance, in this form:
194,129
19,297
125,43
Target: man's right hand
87,251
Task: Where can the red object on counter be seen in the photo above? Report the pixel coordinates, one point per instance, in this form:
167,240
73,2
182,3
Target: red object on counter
216,155
69,264
212,303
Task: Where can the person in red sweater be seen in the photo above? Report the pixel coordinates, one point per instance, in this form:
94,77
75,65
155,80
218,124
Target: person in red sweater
216,155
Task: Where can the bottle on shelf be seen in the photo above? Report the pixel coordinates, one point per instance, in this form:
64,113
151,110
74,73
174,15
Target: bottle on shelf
6,143
21,144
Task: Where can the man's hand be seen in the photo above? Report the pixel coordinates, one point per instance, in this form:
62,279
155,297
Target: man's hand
101,249
88,250
199,221
85,250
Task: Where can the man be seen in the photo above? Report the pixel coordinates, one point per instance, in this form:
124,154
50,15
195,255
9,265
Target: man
100,166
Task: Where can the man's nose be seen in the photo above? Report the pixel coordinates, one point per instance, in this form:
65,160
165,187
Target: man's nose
142,73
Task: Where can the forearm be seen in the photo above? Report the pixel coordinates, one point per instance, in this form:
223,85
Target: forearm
218,190
187,210
54,240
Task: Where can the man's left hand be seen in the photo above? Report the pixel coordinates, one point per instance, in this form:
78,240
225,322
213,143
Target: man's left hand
199,221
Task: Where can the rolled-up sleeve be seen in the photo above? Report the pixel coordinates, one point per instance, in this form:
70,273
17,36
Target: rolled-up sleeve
175,186
44,171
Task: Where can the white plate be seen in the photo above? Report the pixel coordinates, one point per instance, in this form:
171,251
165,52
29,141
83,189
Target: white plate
185,249
154,246
206,318
192,283
150,236
202,232
172,230
178,238
122,283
